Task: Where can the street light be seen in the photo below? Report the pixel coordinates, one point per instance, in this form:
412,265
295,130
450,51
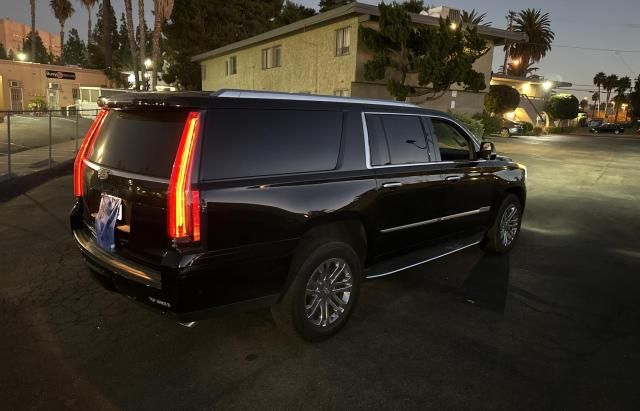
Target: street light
147,65
547,85
21,56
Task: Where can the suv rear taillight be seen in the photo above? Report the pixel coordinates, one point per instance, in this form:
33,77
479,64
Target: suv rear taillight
85,150
184,201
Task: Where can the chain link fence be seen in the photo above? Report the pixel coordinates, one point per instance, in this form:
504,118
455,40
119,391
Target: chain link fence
31,141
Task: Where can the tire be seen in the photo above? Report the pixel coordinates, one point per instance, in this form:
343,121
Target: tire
497,241
505,132
595,131
295,312
616,132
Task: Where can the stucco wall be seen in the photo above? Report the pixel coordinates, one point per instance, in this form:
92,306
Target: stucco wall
309,64
13,33
34,82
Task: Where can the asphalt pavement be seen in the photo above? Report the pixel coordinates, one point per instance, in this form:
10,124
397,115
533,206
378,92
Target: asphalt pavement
554,325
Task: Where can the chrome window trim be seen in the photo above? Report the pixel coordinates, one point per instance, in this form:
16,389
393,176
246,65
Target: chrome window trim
367,147
437,220
125,174
424,261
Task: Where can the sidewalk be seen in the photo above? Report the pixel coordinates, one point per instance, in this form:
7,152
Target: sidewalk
37,159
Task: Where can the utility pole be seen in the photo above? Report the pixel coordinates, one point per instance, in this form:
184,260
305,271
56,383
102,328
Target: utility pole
507,46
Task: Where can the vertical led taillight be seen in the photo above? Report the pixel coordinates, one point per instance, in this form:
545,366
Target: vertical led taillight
84,151
183,200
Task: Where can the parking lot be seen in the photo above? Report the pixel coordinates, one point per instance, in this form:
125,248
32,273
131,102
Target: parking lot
554,325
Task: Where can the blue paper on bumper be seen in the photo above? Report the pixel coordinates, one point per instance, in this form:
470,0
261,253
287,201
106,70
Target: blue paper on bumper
110,209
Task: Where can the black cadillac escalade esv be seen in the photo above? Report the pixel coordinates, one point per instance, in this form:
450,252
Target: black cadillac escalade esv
241,199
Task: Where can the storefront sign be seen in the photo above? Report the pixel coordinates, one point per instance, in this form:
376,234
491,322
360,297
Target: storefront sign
60,75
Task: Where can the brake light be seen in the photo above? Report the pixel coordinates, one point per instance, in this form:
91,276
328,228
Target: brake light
184,202
83,152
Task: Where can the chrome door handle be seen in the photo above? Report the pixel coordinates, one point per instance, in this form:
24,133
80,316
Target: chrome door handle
453,179
391,185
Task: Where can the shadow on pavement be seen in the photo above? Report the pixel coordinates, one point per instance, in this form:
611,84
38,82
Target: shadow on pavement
488,282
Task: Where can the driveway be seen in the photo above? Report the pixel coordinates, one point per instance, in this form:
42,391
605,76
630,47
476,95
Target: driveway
554,325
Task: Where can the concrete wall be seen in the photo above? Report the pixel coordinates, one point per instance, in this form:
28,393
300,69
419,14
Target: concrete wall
13,33
34,83
309,64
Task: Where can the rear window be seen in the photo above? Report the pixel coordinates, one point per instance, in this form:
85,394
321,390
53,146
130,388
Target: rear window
250,143
141,142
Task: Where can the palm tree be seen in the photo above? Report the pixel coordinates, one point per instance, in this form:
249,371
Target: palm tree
132,41
610,82
596,99
33,29
142,27
622,85
599,80
107,49
474,18
88,4
537,26
162,10
62,9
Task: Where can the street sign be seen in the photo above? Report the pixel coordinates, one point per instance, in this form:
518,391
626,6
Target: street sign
60,75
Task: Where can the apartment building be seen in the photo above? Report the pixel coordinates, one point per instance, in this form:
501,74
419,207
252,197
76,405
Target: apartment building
13,34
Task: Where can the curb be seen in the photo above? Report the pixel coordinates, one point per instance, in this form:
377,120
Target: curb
20,185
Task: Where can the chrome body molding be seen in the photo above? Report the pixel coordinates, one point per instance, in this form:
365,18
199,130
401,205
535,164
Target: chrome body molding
437,220
123,174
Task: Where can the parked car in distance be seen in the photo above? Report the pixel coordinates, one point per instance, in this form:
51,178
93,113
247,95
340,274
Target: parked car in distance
510,128
607,128
197,202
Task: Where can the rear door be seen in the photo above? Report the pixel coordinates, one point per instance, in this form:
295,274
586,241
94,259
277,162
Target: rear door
409,187
469,188
131,159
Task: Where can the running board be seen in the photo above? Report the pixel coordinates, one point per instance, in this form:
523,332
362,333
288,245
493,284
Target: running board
419,257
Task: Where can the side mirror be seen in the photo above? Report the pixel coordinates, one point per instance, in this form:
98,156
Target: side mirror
487,150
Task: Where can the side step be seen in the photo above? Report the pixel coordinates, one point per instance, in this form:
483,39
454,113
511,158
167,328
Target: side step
419,257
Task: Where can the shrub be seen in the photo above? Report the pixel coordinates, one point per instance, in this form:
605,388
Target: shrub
500,99
528,128
474,125
37,104
491,124
538,131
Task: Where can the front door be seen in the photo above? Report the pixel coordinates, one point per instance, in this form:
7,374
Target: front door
16,99
409,188
469,181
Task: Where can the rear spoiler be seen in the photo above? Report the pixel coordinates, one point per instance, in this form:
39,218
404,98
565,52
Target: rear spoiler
158,100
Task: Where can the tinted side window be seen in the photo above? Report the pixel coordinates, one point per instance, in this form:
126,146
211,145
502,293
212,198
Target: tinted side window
248,143
405,139
378,148
454,146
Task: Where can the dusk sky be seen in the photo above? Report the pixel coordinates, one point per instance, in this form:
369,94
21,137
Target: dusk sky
579,25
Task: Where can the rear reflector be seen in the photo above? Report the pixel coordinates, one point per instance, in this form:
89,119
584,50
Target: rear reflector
84,151
184,202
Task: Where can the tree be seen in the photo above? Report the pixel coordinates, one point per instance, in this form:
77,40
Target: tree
623,84
501,99
439,56
474,18
326,5
3,52
292,12
610,83
42,54
414,6
634,100
162,10
107,35
598,80
131,34
88,4
562,107
584,103
189,32
142,32
537,26
596,99
75,51
63,10
32,4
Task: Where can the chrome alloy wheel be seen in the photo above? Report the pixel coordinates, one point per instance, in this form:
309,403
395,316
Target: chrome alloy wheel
328,292
509,225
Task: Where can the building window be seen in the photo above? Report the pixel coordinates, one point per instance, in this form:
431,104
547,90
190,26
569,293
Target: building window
231,66
343,41
341,92
75,93
271,57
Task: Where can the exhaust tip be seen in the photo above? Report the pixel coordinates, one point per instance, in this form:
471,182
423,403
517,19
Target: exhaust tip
189,325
